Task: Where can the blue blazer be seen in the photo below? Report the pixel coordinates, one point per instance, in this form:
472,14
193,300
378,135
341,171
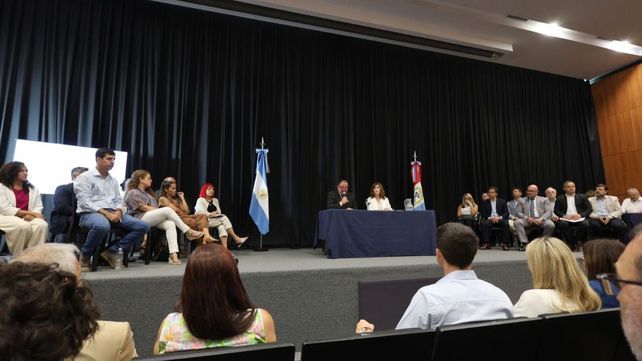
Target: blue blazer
485,209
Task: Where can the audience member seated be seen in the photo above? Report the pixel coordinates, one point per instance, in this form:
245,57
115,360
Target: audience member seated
142,205
100,208
467,211
629,276
46,314
607,213
21,216
159,191
112,340
600,256
176,201
494,213
64,210
341,198
633,204
459,296
558,282
378,200
536,215
214,309
484,197
551,197
573,210
208,205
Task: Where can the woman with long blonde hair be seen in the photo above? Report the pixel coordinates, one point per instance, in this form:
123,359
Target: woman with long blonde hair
467,210
559,285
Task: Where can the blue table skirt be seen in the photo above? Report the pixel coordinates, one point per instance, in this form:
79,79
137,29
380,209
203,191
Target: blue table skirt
359,233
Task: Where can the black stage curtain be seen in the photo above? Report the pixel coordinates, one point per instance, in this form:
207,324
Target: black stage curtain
190,93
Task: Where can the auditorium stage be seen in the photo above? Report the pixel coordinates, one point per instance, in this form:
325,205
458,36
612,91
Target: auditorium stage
311,297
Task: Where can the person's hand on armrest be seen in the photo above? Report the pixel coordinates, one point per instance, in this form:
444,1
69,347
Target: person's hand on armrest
364,326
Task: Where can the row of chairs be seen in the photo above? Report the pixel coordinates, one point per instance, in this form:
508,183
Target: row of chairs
590,336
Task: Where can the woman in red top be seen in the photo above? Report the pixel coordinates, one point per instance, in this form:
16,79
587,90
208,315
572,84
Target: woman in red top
21,207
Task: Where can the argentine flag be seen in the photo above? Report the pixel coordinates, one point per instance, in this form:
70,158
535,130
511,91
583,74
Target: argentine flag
259,206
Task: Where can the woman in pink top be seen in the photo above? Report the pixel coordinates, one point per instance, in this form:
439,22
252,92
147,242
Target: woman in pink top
213,309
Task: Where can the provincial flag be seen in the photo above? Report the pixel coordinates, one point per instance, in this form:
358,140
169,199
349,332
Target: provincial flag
418,193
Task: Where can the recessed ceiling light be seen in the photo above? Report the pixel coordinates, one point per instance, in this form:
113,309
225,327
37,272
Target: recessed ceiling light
552,29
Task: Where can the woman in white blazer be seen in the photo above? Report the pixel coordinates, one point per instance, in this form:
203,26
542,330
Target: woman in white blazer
208,205
378,200
21,207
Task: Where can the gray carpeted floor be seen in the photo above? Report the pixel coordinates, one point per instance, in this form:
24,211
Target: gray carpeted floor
310,297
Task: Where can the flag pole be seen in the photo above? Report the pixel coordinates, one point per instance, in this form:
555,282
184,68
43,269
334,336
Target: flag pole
260,248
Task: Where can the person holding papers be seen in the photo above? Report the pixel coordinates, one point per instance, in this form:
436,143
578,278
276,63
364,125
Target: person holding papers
573,210
207,204
378,200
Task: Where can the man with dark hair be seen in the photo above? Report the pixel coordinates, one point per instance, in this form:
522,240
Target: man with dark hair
629,273
341,198
459,296
494,214
64,207
573,210
607,213
100,208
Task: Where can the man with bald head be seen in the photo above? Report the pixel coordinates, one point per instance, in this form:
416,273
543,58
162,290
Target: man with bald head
633,204
629,274
536,215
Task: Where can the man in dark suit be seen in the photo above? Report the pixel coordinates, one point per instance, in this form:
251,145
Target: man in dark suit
494,212
341,198
64,208
574,210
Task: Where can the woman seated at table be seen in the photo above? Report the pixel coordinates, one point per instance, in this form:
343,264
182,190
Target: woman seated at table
600,256
214,309
378,200
142,205
468,210
176,201
208,205
559,285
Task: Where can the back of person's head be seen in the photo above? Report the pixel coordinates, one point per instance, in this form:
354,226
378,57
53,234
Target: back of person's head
102,152
600,256
45,315
553,266
62,254
213,300
457,243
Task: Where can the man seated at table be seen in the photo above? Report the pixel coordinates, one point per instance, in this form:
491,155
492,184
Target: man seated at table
341,198
459,296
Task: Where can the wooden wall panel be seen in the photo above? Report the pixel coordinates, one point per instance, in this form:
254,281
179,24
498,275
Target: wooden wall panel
618,107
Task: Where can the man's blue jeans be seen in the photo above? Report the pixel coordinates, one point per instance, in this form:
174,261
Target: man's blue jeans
99,226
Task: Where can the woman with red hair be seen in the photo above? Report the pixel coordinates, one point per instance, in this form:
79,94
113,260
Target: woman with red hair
207,204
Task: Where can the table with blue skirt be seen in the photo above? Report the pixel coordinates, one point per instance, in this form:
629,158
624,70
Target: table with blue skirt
359,233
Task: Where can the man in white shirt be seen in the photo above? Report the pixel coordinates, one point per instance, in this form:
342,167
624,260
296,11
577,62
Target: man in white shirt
459,296
633,204
573,209
607,213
